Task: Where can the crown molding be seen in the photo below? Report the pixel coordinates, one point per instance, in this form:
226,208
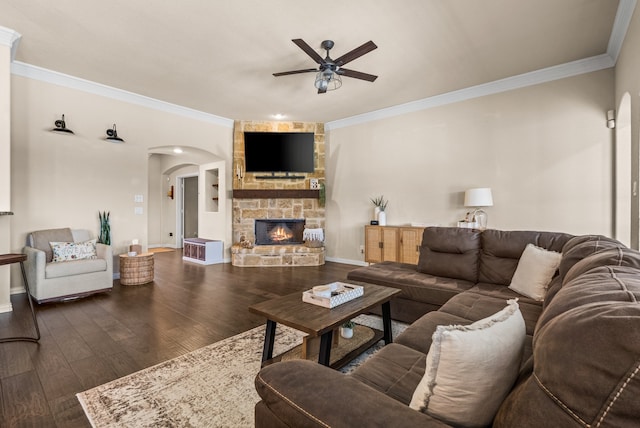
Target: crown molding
549,74
38,73
11,38
620,27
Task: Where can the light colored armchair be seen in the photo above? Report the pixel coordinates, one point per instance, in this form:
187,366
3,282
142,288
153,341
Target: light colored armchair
51,281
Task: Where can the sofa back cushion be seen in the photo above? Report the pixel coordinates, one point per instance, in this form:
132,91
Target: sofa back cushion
501,251
583,246
610,257
40,240
450,252
586,352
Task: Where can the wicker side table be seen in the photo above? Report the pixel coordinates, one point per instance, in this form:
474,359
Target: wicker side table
136,270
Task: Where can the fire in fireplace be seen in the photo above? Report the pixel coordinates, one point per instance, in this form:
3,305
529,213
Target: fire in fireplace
279,231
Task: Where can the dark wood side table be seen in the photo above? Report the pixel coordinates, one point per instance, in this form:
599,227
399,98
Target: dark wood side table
7,259
317,321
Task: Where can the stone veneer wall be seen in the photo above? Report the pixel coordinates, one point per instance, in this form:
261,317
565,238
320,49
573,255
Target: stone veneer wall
245,211
249,181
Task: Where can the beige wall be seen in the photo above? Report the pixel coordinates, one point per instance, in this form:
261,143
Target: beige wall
627,81
5,174
64,180
544,150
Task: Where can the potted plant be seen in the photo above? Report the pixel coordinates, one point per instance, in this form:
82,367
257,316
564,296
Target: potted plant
105,228
346,329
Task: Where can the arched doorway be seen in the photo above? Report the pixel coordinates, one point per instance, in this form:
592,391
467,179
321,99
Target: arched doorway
176,188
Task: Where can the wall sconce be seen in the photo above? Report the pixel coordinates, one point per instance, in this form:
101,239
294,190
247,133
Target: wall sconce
61,126
170,192
112,135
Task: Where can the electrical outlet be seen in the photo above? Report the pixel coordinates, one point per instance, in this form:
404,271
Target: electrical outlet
170,233
361,249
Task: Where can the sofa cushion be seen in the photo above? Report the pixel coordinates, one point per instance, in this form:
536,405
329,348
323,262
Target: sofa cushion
580,247
604,283
450,252
418,335
68,251
486,299
395,370
470,369
587,357
414,285
41,238
611,257
74,267
502,249
534,272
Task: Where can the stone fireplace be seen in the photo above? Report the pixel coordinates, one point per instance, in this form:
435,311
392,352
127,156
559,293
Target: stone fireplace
261,202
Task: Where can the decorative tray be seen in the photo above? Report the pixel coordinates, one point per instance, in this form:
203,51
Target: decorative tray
332,295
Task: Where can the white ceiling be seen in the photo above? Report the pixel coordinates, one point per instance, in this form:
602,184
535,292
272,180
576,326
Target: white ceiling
218,56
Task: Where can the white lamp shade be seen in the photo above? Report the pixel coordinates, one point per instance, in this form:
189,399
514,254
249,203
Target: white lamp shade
478,197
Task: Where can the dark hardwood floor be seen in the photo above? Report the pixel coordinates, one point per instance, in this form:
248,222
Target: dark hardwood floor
94,340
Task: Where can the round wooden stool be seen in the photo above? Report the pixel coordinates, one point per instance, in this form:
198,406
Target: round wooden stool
136,270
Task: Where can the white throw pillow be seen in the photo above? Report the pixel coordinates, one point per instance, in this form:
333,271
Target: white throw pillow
67,251
535,271
471,369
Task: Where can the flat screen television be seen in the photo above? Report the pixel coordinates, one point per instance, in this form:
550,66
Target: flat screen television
278,151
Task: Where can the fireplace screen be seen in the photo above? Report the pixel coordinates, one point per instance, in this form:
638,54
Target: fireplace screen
279,232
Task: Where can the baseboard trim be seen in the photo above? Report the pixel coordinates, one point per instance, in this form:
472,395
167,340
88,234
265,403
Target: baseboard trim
6,308
346,261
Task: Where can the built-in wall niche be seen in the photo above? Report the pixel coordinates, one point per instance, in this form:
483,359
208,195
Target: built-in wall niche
212,189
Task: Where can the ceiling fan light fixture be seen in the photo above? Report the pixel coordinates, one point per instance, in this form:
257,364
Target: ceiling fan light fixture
327,80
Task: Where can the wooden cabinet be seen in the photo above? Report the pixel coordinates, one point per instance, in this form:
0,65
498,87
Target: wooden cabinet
392,243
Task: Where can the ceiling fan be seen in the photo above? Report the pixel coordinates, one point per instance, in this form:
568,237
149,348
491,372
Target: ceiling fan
329,73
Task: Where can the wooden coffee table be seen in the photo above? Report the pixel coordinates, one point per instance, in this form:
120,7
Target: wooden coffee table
317,321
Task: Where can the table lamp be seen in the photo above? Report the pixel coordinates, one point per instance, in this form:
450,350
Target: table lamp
475,198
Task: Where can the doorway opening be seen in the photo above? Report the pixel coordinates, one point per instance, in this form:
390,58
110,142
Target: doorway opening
188,212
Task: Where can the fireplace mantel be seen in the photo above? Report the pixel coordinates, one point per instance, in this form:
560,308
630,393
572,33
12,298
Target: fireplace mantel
276,193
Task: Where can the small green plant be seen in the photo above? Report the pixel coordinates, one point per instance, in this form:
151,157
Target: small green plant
105,228
348,324
380,202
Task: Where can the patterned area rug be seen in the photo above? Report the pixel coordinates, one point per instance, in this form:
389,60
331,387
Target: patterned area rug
209,387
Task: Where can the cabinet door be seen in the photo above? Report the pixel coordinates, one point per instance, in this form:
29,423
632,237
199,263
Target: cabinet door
372,244
390,240
410,241
381,244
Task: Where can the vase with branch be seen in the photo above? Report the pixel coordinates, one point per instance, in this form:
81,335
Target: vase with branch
380,205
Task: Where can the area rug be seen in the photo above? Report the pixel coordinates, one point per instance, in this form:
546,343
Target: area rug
209,387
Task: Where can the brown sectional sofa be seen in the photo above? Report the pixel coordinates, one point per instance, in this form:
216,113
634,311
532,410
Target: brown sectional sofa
581,363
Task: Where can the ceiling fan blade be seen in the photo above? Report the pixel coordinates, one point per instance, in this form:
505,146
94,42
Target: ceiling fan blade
308,50
356,53
357,74
306,70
